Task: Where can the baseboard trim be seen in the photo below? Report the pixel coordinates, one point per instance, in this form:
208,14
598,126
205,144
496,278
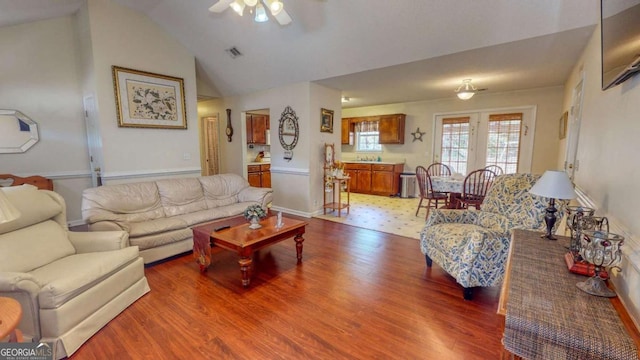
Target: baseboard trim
291,211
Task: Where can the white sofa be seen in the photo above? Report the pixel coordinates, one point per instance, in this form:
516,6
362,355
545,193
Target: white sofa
158,215
69,284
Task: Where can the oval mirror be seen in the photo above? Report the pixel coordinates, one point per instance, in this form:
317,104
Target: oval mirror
18,132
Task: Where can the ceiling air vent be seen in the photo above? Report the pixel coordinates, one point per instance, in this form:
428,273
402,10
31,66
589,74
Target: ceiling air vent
233,52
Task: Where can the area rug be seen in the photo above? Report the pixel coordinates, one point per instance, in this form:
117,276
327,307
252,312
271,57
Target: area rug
382,213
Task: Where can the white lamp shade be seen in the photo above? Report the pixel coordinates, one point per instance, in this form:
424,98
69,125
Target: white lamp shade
8,212
465,95
554,185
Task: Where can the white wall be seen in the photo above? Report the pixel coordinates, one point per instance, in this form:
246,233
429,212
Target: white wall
39,77
609,173
123,37
421,114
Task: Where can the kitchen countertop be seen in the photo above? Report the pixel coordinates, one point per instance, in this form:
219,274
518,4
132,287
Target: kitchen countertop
259,163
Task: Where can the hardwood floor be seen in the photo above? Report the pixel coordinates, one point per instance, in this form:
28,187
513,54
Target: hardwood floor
358,294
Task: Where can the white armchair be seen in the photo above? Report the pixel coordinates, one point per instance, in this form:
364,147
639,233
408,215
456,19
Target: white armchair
69,284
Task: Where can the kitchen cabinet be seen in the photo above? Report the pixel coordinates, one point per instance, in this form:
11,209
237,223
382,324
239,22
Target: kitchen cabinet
390,128
259,175
360,175
374,178
257,126
347,132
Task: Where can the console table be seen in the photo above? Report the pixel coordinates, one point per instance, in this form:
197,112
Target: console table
548,317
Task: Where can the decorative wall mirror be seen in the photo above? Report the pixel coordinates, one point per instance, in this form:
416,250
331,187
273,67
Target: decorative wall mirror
288,131
18,132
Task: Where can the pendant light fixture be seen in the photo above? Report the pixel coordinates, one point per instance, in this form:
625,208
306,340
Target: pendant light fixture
466,90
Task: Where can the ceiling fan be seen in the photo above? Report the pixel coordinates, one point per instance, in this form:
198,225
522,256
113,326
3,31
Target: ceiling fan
276,8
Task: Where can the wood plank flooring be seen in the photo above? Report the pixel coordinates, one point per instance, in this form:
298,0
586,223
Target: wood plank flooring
358,294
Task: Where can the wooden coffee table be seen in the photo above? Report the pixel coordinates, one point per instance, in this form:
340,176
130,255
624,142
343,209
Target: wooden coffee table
245,241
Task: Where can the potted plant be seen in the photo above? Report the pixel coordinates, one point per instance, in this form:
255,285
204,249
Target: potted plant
254,213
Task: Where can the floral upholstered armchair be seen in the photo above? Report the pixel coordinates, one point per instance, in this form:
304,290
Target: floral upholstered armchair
472,245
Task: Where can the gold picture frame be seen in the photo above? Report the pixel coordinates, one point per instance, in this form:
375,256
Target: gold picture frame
563,125
326,122
148,100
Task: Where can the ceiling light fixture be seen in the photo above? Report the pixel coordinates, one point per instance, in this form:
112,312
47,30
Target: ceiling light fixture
466,90
276,8
346,99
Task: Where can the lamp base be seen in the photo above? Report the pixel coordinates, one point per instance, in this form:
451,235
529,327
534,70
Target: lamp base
596,286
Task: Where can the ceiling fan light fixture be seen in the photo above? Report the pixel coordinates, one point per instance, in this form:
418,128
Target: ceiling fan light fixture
237,6
466,90
261,14
275,6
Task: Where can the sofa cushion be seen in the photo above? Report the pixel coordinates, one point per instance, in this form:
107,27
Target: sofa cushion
156,240
35,206
181,196
133,202
34,246
67,277
156,226
221,190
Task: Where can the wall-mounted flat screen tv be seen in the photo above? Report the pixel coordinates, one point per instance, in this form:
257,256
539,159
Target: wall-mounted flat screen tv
620,26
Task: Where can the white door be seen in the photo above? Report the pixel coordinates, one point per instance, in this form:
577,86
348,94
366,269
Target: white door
94,141
469,141
573,133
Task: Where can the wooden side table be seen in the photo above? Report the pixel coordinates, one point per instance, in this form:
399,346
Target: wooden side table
10,315
336,195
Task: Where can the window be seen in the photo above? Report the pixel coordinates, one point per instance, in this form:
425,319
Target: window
367,137
503,141
455,143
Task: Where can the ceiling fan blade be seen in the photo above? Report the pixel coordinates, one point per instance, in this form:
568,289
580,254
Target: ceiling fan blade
220,6
283,17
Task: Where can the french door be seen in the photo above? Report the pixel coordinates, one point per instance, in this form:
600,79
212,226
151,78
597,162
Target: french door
469,141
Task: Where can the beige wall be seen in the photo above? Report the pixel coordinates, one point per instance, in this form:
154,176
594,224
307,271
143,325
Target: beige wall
40,78
297,184
608,161
421,114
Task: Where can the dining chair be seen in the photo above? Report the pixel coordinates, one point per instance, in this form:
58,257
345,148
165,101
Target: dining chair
438,169
426,191
475,188
496,169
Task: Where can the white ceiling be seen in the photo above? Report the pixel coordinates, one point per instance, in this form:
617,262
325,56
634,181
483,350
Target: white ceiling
374,51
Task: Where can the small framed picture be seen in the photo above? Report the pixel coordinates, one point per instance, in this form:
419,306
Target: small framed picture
563,125
326,124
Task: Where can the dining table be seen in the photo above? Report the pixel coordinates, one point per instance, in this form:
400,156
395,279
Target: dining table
452,185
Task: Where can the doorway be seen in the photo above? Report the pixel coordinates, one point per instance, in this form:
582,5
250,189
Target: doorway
472,140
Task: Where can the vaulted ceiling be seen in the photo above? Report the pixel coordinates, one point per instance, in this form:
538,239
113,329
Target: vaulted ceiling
374,51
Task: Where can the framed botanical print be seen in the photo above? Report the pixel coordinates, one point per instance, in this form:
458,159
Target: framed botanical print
148,100
326,124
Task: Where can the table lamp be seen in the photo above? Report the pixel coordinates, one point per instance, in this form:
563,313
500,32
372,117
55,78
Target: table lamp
553,185
8,212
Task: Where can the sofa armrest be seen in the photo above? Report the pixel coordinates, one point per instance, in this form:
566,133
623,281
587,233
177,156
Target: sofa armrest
108,225
262,196
443,216
96,241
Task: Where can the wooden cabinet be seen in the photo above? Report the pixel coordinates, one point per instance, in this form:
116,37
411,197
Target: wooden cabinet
391,129
257,124
360,175
347,132
259,175
376,179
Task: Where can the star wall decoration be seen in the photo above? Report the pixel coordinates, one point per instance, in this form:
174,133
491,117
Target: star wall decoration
417,135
